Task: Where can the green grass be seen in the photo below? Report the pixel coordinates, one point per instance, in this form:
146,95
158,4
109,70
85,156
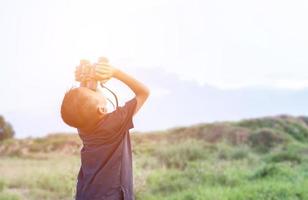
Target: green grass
53,178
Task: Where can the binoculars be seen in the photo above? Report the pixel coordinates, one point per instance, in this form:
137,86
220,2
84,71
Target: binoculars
85,73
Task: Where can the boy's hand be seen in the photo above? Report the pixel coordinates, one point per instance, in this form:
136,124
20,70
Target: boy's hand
101,71
84,71
104,71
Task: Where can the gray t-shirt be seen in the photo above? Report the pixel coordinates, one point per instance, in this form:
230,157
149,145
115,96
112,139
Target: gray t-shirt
106,157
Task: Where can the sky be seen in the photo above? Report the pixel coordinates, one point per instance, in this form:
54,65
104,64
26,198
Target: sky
225,44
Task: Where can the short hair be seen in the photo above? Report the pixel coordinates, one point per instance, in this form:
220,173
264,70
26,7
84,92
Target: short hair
77,107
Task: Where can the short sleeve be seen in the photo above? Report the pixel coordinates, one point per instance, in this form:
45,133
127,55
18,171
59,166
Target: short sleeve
125,113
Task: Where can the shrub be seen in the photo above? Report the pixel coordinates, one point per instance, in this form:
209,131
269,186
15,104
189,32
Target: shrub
172,181
255,124
178,155
296,130
239,154
168,181
283,157
270,171
264,139
295,127
6,129
304,119
237,135
51,182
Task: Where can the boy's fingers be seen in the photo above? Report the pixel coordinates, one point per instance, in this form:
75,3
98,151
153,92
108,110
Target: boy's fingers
103,71
103,64
103,74
102,77
102,67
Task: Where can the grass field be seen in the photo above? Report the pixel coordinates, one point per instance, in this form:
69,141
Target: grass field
258,159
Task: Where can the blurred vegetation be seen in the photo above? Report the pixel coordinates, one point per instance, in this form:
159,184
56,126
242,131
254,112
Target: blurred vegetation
6,129
255,159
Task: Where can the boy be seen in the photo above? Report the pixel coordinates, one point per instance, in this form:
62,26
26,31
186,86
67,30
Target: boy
106,156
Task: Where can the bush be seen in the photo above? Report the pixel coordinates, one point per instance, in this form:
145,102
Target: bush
284,157
295,127
239,154
296,130
264,139
50,182
270,171
255,124
178,155
168,181
6,129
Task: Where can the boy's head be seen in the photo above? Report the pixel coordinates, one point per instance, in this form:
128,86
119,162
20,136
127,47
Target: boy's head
82,107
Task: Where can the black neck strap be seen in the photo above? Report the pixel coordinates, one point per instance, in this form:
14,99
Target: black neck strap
115,96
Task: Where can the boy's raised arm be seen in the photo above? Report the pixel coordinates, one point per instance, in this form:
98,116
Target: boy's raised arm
105,71
140,90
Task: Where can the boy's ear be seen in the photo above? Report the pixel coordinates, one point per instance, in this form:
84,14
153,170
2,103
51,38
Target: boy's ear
101,110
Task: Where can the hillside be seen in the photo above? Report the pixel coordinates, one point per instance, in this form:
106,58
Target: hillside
263,158
263,133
